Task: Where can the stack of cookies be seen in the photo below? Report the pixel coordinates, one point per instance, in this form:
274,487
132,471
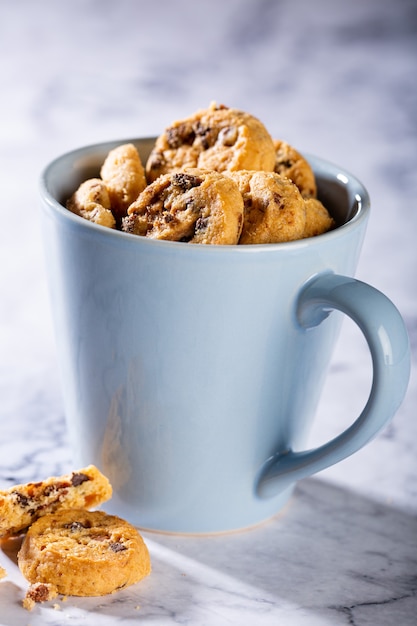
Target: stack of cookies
67,548
216,177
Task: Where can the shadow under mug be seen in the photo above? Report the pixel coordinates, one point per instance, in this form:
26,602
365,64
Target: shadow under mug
191,373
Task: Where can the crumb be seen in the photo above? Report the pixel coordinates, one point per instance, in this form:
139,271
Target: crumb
28,603
56,607
3,572
38,592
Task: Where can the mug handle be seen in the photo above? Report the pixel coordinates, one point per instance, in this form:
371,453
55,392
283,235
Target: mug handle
386,335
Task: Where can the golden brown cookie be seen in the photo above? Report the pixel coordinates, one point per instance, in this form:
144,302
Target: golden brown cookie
21,505
274,208
92,202
195,205
83,553
318,219
124,177
218,138
290,163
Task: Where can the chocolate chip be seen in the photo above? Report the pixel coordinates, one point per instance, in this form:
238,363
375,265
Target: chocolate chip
177,136
117,546
201,224
128,224
191,206
79,478
74,526
56,487
49,489
205,135
156,161
278,199
286,164
23,500
185,181
38,592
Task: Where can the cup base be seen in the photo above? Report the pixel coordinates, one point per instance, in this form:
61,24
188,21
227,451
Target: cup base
194,527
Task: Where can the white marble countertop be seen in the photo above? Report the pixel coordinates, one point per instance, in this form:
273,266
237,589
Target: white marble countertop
332,78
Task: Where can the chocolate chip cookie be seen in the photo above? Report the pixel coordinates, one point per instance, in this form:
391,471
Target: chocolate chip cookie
92,202
318,219
83,553
274,208
290,163
124,177
217,138
194,205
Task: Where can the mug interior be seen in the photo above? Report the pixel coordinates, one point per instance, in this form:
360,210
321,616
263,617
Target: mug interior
342,194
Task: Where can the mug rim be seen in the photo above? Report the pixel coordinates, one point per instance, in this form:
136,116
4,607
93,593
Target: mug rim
321,167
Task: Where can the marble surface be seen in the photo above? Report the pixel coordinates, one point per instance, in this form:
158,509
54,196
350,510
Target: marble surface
333,78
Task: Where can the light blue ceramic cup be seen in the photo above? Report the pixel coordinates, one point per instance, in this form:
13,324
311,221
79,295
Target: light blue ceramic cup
191,374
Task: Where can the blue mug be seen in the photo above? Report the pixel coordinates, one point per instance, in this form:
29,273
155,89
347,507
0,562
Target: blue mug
191,374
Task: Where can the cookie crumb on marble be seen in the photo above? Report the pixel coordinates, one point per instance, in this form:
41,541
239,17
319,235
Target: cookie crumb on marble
39,592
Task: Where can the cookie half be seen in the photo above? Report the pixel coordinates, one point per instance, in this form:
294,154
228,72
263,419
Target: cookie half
21,505
83,553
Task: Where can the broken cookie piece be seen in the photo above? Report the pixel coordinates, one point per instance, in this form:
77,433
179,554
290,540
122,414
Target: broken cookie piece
92,202
124,176
39,592
22,505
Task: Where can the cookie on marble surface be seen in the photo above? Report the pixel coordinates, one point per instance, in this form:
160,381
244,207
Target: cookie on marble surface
124,176
39,592
92,202
21,505
318,219
290,163
196,206
83,553
274,208
217,138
